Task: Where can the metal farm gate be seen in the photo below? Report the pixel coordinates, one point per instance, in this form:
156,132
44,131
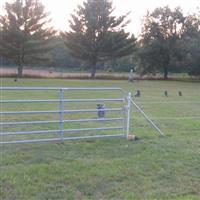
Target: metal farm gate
41,114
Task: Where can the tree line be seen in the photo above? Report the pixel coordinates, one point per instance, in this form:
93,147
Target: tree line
169,40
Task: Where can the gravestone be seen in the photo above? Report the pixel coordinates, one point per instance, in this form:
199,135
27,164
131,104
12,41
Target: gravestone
130,77
180,93
138,93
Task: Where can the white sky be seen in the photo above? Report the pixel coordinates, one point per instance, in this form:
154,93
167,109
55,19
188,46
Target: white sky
61,10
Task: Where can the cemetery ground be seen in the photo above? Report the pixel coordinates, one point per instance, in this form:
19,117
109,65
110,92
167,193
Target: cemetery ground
152,167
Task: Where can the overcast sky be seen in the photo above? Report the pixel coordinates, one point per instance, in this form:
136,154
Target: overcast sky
61,9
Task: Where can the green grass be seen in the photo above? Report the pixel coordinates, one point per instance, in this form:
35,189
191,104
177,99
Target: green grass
152,167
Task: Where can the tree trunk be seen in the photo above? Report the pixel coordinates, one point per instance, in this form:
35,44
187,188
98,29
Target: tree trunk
93,72
166,72
19,71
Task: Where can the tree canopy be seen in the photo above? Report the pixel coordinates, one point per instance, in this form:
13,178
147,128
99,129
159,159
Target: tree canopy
191,44
97,39
96,35
24,33
162,29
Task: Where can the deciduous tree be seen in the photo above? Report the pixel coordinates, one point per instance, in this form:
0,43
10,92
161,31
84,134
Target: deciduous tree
191,44
161,30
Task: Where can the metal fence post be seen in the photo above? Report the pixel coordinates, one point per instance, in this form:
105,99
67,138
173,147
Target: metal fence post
128,115
61,108
124,113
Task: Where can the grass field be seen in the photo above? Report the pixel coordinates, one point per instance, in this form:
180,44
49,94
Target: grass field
152,167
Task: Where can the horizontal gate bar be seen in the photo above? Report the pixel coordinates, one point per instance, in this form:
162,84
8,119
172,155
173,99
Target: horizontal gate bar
56,133
63,139
65,130
64,88
56,101
58,111
57,121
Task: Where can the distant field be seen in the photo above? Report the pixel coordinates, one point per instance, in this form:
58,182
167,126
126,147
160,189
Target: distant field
58,73
152,167
44,72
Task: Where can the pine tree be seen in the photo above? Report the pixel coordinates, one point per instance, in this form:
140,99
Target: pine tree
24,33
96,35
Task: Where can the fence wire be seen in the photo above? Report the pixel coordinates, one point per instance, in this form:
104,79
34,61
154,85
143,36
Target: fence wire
172,117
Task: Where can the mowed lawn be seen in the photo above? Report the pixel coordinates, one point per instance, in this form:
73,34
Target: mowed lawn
152,167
